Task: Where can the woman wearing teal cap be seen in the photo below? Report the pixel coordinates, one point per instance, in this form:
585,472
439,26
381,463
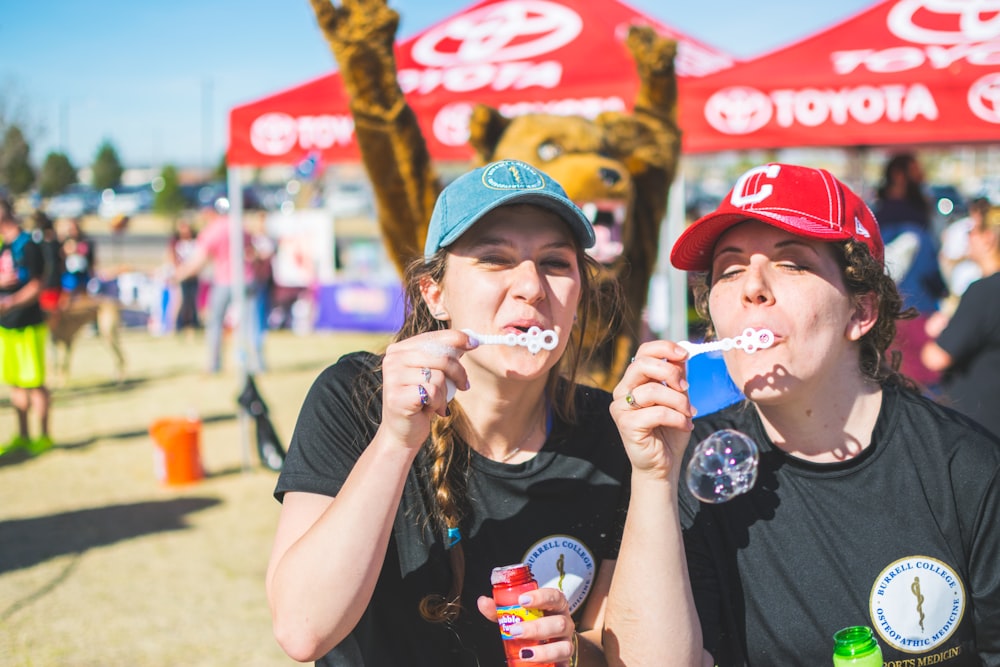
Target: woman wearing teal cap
399,499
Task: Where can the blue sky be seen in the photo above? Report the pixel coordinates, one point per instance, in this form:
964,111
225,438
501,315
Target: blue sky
158,78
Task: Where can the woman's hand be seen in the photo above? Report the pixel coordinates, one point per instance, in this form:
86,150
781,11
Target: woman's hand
554,632
652,409
415,375
935,324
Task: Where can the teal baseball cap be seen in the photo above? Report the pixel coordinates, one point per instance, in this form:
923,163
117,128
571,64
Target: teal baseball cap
475,193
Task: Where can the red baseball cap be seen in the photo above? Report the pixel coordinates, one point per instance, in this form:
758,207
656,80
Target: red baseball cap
805,201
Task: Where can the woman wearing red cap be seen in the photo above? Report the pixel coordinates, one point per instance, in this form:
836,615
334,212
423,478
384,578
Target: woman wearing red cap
873,505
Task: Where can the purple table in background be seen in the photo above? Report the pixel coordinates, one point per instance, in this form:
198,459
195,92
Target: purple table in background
356,306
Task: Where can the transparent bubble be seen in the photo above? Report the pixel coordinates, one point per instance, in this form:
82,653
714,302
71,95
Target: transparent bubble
722,466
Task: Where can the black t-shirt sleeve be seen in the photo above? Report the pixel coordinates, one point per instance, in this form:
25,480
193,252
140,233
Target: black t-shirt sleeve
969,328
338,419
33,260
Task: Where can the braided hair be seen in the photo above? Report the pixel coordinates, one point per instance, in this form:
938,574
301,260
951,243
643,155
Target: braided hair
447,454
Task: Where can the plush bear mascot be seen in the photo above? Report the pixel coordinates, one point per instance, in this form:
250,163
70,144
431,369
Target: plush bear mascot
618,166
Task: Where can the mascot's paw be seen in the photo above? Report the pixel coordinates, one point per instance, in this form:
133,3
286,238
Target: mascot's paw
653,54
357,22
361,34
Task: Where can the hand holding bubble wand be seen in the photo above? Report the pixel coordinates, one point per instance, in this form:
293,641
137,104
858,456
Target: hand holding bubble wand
724,465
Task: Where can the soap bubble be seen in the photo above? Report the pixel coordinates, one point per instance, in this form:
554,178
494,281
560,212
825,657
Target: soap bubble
722,466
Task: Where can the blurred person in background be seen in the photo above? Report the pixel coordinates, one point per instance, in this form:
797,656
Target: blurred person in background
212,249
958,269
23,334
966,347
900,196
904,213
44,234
264,248
180,249
79,256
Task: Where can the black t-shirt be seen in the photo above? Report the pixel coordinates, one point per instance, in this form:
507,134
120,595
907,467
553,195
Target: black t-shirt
16,270
52,259
972,338
904,538
562,512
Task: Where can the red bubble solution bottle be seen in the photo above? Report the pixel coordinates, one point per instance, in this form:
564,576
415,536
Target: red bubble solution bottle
509,582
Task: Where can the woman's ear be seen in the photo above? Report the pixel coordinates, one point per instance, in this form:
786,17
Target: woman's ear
865,315
433,298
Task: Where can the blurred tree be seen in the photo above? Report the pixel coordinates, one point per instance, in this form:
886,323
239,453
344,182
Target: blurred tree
169,199
57,174
16,172
107,168
220,169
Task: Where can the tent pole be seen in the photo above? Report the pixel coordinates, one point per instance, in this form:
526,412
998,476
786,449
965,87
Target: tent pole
234,187
677,326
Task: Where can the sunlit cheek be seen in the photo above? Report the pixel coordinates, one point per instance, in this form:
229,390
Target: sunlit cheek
569,303
720,307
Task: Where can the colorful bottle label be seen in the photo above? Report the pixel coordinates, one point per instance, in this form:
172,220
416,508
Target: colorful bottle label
513,616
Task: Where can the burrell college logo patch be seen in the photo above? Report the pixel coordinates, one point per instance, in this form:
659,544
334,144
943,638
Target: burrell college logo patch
563,562
916,603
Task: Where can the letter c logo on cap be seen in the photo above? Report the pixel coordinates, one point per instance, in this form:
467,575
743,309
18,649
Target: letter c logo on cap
740,200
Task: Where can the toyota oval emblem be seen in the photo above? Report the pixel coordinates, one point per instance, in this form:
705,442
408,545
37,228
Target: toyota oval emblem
738,110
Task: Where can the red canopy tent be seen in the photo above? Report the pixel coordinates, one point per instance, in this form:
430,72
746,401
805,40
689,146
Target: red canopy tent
556,56
901,72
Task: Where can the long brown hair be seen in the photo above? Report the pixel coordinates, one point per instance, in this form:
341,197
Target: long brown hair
447,453
863,274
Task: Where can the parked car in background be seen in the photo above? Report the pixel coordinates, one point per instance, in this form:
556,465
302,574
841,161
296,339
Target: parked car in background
76,201
126,200
349,199
215,194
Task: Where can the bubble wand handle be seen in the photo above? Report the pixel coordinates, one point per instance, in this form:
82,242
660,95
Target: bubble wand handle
535,339
749,341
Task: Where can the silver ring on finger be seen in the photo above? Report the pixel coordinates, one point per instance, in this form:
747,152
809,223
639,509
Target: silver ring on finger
630,401
426,374
424,397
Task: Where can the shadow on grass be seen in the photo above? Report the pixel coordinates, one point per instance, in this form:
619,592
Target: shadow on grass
28,542
19,456
70,392
136,433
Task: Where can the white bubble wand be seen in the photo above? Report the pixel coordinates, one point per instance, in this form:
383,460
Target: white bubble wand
535,339
749,341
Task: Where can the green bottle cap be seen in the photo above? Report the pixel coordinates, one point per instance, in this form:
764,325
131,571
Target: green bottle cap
854,644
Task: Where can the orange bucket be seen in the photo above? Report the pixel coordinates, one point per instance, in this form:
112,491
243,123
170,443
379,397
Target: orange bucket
177,453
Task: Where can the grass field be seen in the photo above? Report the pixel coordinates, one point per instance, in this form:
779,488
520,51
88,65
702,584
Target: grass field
101,564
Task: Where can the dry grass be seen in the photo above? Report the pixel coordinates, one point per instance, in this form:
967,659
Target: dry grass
100,563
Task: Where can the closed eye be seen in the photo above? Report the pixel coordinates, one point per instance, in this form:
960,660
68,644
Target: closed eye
729,273
793,266
495,260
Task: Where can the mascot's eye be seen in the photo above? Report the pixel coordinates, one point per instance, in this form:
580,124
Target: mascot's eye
549,151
